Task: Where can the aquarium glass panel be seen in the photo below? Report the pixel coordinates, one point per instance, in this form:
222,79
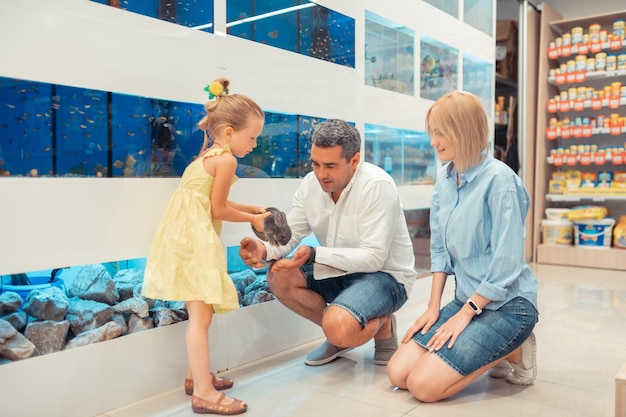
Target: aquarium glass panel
196,14
389,57
438,68
478,79
405,154
479,13
293,25
283,149
57,130
449,6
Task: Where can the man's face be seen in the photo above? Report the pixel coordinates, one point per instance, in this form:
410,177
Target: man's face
332,170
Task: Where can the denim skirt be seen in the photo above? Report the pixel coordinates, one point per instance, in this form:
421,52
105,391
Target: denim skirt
489,336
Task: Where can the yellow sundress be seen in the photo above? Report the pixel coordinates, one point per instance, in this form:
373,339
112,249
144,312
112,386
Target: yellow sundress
186,260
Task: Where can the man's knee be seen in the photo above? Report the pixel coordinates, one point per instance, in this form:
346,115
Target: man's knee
340,326
282,283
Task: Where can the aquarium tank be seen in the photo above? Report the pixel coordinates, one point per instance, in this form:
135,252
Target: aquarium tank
195,14
389,55
57,130
404,154
302,27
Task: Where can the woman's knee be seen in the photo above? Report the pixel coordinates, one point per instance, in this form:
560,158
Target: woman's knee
397,374
422,389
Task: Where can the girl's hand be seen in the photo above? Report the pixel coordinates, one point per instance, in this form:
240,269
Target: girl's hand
423,323
258,221
259,210
449,331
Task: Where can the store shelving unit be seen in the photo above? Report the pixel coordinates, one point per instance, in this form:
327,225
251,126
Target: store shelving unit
553,26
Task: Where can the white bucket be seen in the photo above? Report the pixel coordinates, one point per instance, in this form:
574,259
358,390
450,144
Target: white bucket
557,213
557,232
594,233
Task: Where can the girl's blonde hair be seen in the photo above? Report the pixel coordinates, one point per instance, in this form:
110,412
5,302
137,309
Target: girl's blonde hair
234,110
462,119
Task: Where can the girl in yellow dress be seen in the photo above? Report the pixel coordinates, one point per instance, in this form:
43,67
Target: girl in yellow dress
187,260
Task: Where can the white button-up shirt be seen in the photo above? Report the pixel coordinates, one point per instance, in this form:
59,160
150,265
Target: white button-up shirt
365,231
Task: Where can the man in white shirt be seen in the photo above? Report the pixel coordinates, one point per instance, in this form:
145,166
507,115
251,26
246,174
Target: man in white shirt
363,269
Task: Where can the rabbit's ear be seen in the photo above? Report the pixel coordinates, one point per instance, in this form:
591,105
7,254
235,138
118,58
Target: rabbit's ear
280,219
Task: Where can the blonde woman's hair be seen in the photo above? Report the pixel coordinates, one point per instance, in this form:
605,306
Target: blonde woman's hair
234,110
461,117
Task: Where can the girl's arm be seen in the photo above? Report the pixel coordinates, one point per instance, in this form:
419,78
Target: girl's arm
245,208
223,167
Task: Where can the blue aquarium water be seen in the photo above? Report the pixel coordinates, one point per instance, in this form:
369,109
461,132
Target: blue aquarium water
37,283
57,130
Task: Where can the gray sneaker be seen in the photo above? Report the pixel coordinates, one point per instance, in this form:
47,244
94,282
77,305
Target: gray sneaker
327,352
385,348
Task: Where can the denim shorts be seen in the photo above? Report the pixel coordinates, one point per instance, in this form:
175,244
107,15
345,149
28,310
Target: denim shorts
488,337
365,295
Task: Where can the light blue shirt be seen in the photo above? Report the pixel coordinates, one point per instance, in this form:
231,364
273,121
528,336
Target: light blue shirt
478,231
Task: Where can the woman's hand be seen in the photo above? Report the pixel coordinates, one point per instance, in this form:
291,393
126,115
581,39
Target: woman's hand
450,331
423,323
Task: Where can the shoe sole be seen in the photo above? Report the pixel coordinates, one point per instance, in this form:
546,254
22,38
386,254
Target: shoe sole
326,360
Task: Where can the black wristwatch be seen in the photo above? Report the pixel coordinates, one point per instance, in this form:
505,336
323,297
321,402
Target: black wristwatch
312,255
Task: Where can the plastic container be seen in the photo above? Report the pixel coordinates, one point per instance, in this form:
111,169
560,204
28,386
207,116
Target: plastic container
38,283
557,232
557,213
593,233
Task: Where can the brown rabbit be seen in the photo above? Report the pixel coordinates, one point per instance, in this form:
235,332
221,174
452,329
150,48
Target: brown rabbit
277,231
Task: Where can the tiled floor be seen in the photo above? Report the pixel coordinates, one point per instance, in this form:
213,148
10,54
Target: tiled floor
581,339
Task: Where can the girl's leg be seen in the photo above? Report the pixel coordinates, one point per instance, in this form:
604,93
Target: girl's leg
200,317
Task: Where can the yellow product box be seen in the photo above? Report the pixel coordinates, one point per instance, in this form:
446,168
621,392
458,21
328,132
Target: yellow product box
618,185
573,175
556,186
559,176
572,183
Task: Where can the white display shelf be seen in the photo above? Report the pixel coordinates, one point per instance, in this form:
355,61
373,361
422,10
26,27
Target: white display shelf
582,198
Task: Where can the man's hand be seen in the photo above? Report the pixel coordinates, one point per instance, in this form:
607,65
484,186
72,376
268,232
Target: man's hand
252,252
299,258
